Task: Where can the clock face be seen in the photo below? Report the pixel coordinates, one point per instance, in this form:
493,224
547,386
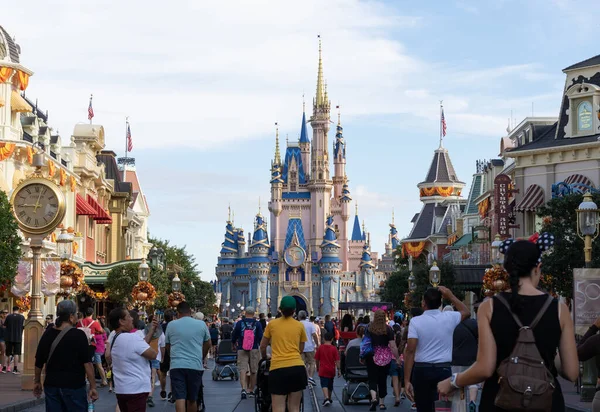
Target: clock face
38,207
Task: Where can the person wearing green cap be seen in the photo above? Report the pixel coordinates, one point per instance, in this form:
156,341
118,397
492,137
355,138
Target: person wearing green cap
287,374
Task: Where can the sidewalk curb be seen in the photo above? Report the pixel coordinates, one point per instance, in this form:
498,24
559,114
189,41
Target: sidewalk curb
568,408
22,405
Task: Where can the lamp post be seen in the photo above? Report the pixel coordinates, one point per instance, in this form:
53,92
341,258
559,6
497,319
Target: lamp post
143,271
64,245
587,225
227,306
153,256
434,275
412,285
495,258
176,283
587,229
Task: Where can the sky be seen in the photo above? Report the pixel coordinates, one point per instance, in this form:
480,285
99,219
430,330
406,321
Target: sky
203,84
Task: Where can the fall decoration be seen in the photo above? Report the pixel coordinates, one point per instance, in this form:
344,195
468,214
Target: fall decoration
175,298
71,280
143,293
495,280
24,303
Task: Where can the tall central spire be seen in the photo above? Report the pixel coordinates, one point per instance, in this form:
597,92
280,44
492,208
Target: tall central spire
277,153
321,99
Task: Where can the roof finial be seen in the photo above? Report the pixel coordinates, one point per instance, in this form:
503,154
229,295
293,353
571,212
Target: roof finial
229,213
363,225
393,216
320,98
303,103
287,139
233,218
356,208
277,154
339,115
259,205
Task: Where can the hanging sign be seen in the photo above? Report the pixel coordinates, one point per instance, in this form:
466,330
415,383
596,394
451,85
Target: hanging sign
501,208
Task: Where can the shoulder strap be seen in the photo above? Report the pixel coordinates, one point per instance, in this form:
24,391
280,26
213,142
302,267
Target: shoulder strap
57,341
502,299
112,342
541,312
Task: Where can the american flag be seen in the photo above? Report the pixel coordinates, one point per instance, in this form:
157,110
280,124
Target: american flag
129,139
443,124
90,110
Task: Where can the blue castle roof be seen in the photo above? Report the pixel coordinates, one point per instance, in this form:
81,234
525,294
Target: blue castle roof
276,174
260,237
346,193
394,233
293,153
356,232
330,249
230,243
340,144
330,239
294,226
303,133
366,257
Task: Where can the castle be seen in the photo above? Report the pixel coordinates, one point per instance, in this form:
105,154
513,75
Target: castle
306,251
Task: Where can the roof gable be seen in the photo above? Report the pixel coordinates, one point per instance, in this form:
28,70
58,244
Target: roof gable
592,61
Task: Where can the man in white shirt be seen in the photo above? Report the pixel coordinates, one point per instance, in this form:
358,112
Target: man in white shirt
429,347
310,347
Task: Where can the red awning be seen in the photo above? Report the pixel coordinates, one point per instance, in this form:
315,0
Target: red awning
101,216
534,198
83,207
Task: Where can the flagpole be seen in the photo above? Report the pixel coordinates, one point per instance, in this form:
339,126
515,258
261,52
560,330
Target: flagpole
92,116
126,149
441,126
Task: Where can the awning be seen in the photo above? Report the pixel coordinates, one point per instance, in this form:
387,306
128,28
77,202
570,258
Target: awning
463,241
19,104
534,198
578,179
83,207
101,217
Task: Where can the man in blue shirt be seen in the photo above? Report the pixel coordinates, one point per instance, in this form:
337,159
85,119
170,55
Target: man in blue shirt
247,359
188,341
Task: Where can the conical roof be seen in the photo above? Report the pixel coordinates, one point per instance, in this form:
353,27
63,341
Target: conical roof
441,169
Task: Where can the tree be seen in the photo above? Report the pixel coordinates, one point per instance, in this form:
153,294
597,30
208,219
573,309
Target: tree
395,287
10,242
560,219
120,281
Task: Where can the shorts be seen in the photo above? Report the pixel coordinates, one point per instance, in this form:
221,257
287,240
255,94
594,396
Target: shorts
283,381
326,383
13,348
186,383
248,360
155,364
308,358
165,365
97,358
215,342
394,369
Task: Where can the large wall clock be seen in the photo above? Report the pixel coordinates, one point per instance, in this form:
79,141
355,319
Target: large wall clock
38,205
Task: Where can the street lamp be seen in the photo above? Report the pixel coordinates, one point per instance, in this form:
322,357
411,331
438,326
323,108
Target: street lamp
434,275
495,258
161,257
238,305
412,285
64,245
176,283
587,225
241,308
153,256
143,271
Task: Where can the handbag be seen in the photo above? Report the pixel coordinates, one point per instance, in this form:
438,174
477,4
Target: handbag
366,346
382,355
57,341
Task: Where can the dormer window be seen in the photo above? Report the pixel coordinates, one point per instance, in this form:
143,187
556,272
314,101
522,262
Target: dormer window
584,116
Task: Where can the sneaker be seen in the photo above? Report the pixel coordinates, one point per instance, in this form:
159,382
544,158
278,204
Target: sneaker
163,395
16,372
150,402
402,396
312,382
413,407
4,369
325,402
472,407
170,397
251,394
244,394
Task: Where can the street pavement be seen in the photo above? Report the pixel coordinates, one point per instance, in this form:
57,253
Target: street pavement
224,396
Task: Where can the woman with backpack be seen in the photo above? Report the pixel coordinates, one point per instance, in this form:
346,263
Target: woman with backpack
524,321
378,357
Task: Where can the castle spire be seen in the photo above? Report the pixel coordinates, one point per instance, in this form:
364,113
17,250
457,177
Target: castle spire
277,154
320,100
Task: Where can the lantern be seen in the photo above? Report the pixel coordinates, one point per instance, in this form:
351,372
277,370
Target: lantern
434,275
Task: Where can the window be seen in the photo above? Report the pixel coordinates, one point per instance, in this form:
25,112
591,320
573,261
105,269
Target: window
293,181
90,231
320,203
584,116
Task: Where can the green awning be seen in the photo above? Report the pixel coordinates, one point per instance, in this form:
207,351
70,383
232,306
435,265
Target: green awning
95,280
463,241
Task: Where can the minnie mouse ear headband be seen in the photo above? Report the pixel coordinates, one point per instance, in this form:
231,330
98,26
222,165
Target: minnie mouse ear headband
544,242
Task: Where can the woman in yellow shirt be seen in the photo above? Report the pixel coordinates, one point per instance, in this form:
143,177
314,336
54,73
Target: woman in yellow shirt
287,374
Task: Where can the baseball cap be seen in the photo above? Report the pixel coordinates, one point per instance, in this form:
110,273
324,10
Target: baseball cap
287,302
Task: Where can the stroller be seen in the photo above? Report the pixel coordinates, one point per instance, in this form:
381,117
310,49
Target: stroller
262,397
355,374
225,362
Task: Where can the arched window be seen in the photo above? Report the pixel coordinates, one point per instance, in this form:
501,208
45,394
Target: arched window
584,116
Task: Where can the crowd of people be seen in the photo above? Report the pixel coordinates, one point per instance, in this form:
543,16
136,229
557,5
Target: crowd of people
432,353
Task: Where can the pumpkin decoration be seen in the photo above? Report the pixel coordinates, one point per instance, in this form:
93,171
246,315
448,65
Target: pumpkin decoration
143,293
495,279
175,298
66,281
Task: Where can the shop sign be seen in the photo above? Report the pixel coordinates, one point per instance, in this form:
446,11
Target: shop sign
501,206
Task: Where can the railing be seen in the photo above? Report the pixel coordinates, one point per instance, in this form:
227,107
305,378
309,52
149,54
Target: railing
468,258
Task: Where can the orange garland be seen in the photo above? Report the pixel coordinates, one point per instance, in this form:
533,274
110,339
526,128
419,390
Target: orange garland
6,150
445,191
483,207
23,79
414,249
143,287
496,279
5,73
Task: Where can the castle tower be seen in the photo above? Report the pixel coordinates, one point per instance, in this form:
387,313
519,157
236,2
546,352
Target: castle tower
275,204
227,261
367,273
339,160
341,193
356,244
330,267
320,184
260,265
304,142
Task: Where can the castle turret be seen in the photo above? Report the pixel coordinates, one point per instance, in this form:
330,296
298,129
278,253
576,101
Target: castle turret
227,261
304,143
260,265
320,185
339,160
330,267
367,273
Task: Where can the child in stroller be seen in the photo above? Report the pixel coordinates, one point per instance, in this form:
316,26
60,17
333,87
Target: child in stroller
262,398
355,374
225,362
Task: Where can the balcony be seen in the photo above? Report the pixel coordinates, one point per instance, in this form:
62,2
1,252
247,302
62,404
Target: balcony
468,257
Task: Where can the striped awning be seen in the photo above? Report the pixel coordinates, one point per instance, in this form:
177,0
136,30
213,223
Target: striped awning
579,179
83,208
534,198
18,103
102,217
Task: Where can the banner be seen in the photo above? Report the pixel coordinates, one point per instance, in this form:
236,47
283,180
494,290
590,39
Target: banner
501,194
50,277
22,283
586,298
